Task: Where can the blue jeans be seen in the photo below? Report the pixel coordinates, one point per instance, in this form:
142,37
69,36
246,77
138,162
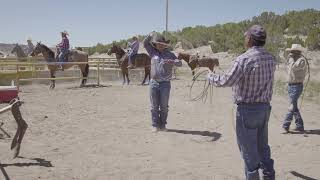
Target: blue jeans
159,98
130,57
252,137
62,55
294,92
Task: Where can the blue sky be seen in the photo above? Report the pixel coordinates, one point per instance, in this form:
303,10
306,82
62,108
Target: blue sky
91,21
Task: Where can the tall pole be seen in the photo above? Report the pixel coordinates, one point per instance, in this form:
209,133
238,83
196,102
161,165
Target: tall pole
167,7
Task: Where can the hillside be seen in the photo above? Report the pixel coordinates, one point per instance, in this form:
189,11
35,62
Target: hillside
292,27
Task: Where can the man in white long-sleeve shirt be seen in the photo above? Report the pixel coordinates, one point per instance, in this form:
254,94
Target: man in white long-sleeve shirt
297,69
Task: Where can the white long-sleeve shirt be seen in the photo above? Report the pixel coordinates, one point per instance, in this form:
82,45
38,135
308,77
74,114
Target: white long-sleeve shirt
297,69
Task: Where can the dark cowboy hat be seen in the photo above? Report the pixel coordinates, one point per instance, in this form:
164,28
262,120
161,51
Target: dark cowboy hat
257,32
160,39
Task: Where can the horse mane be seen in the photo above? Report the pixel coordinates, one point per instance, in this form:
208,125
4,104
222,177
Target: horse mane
51,53
18,47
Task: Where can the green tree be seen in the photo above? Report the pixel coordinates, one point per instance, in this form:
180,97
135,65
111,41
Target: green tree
313,39
295,40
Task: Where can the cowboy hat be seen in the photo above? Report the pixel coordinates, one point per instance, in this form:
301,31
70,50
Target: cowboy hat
160,39
65,32
29,39
295,47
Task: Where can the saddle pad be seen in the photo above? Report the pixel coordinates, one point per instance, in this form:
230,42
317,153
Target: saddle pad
7,93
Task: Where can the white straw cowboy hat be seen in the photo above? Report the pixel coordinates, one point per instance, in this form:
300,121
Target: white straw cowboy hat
295,47
29,39
65,32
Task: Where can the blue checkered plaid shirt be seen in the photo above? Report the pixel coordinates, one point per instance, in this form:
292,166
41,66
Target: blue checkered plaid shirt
251,76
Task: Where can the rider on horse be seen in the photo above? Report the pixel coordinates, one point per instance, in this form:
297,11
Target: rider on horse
63,47
132,50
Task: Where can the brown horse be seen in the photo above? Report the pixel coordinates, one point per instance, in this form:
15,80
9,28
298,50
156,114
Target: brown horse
72,56
139,60
195,61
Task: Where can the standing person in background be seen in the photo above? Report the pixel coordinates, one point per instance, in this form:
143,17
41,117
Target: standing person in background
251,78
297,69
162,62
30,46
132,50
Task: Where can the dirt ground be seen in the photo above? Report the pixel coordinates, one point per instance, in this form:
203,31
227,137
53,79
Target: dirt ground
105,133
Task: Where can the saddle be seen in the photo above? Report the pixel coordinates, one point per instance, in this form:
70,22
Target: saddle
137,59
66,56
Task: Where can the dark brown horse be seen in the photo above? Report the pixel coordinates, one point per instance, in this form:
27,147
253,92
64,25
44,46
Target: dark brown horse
73,56
195,61
139,60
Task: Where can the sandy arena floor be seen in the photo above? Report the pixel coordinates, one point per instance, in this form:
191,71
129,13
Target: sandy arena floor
105,133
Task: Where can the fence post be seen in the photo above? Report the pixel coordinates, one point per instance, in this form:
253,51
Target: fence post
17,77
98,73
103,64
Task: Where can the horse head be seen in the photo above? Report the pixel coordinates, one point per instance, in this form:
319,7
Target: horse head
115,49
46,52
119,53
16,48
184,56
37,50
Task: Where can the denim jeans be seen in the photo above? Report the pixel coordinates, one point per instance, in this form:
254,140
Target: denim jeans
130,57
294,92
62,55
252,137
159,98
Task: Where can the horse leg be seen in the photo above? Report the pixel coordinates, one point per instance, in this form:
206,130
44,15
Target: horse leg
149,74
124,76
85,72
211,68
127,75
22,127
53,82
146,74
192,69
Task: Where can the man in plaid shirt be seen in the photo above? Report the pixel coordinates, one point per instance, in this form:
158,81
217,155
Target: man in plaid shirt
251,79
63,47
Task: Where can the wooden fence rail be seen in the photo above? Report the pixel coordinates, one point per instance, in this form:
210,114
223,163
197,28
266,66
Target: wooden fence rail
33,64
